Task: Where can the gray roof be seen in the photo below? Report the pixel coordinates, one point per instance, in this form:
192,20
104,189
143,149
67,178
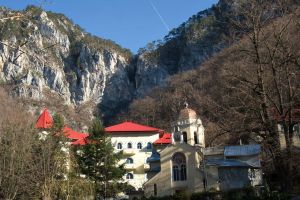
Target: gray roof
226,163
213,151
233,163
243,150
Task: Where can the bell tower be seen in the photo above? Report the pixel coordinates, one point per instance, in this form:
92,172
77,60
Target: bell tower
188,128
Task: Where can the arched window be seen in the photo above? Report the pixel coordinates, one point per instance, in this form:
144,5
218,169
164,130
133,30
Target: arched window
184,135
129,145
183,172
129,161
175,173
149,145
139,145
129,176
155,189
119,146
196,138
179,167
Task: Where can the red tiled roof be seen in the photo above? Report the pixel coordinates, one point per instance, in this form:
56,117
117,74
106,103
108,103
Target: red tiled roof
82,141
130,127
166,138
45,120
71,134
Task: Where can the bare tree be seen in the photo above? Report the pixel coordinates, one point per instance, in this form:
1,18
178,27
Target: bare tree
266,77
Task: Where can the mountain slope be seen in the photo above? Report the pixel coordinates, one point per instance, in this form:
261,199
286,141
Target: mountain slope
44,56
184,48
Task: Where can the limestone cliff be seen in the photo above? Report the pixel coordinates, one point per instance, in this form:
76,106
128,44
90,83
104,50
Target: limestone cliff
44,54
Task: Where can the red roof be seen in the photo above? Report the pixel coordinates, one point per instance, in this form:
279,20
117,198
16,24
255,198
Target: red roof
166,138
130,127
45,120
82,141
71,134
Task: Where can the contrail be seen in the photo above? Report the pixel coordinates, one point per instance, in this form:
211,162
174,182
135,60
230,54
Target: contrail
159,15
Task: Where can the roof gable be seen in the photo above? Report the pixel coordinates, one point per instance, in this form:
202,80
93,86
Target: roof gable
130,127
45,120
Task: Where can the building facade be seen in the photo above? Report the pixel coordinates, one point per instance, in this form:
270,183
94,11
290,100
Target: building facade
232,167
135,143
186,165
179,161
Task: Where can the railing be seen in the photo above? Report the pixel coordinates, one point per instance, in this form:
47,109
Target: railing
129,151
129,166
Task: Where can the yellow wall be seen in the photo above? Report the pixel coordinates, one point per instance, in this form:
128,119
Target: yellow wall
163,180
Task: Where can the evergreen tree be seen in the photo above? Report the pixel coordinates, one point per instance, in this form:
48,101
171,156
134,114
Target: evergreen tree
58,122
98,162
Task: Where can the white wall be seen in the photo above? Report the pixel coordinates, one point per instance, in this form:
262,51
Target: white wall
140,156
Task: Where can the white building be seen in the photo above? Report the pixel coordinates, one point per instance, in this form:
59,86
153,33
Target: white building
135,142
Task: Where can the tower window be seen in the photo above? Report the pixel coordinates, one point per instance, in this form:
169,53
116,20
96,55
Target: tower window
184,135
155,189
179,167
119,146
129,145
129,176
139,145
196,138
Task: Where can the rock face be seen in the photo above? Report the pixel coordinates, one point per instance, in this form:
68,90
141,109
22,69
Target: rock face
44,54
185,48
47,53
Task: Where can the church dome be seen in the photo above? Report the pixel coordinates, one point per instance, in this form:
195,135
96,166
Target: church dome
187,113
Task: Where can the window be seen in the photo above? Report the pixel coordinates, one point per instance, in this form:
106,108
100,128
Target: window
252,174
119,146
195,137
129,145
129,161
184,137
296,130
129,176
175,173
155,189
149,145
183,172
139,145
179,167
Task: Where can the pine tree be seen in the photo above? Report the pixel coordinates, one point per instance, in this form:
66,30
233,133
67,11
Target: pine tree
58,122
98,162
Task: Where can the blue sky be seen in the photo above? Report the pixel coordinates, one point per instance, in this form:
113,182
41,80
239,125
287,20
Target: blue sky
130,23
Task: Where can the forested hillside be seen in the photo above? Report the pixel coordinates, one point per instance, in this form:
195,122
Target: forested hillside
239,92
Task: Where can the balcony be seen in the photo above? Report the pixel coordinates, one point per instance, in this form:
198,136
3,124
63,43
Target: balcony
130,166
129,151
146,166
